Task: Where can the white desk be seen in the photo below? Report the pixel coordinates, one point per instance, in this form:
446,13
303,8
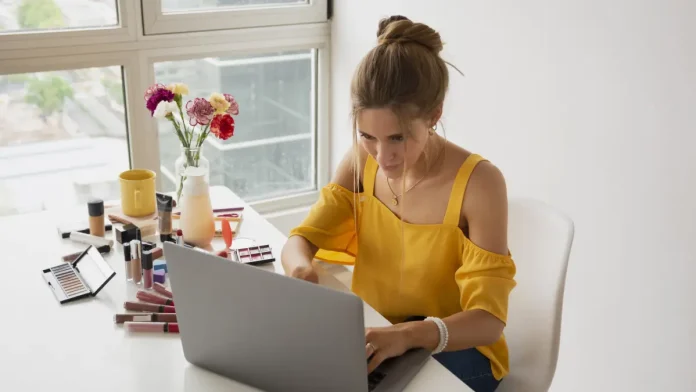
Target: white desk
76,346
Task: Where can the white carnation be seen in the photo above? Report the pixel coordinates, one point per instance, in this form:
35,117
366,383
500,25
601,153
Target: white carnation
164,108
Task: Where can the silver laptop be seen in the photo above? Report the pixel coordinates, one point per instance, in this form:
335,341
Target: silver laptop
274,332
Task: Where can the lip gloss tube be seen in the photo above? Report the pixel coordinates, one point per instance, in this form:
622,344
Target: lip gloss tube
147,269
145,317
127,258
145,307
160,288
146,296
136,326
136,265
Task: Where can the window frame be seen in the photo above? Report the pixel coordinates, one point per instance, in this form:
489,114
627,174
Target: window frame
155,21
138,54
125,31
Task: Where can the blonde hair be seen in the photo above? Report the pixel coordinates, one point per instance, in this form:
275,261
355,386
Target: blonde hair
404,73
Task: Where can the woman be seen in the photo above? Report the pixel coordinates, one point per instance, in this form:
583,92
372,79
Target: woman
423,221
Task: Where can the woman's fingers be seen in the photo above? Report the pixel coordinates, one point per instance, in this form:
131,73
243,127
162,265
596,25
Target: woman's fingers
369,350
376,360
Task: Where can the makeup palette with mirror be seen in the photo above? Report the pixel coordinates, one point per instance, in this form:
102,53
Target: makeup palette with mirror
82,278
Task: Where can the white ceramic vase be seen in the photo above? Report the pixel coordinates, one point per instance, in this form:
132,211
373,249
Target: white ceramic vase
197,221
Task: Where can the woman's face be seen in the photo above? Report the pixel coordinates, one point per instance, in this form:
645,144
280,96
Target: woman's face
380,134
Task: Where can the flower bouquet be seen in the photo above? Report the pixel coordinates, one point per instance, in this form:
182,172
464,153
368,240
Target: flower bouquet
205,116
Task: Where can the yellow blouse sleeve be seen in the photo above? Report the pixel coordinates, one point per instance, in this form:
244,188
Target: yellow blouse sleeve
330,225
485,280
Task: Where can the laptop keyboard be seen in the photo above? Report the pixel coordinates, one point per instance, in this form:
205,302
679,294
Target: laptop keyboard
374,378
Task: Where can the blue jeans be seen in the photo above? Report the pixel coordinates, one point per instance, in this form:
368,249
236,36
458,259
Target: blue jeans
470,366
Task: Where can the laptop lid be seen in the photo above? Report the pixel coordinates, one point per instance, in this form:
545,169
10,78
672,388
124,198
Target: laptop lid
265,329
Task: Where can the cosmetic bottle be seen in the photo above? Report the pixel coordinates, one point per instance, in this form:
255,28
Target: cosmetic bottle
127,259
136,264
197,219
95,207
164,212
89,239
147,269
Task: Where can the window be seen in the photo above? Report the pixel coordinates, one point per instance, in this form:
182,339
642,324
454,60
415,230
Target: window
273,154
197,5
62,131
73,74
167,16
33,15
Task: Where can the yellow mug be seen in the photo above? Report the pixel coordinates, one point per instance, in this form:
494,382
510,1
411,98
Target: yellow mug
138,192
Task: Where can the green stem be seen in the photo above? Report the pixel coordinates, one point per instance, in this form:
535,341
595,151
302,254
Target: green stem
179,134
183,122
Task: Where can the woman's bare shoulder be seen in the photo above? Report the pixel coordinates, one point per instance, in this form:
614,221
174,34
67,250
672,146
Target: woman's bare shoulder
485,207
484,176
345,172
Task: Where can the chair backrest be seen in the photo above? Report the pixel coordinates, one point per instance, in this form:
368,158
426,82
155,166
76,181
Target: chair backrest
540,239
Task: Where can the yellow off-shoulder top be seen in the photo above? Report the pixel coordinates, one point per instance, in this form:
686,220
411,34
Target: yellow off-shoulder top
442,271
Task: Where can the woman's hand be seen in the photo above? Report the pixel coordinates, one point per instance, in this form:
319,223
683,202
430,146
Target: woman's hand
385,342
305,272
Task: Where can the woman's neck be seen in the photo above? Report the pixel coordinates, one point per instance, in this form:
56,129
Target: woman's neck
429,158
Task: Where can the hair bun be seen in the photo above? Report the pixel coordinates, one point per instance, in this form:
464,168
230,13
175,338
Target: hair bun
400,29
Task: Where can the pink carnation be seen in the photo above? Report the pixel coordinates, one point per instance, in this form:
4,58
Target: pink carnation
152,89
200,111
234,106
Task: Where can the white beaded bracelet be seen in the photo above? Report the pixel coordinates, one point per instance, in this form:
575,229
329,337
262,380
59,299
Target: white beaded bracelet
444,334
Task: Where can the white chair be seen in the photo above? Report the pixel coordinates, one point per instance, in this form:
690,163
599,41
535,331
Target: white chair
540,239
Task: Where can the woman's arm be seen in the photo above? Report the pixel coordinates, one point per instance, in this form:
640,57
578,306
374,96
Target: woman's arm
486,212
296,258
298,252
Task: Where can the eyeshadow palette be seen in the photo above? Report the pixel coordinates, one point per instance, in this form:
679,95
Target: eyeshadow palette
254,255
84,277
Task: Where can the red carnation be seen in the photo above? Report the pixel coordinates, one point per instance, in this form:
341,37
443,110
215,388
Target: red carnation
222,126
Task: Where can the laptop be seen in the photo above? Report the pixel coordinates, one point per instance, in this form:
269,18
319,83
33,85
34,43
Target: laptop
274,332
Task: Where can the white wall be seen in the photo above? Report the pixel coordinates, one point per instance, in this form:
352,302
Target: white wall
590,105
287,220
